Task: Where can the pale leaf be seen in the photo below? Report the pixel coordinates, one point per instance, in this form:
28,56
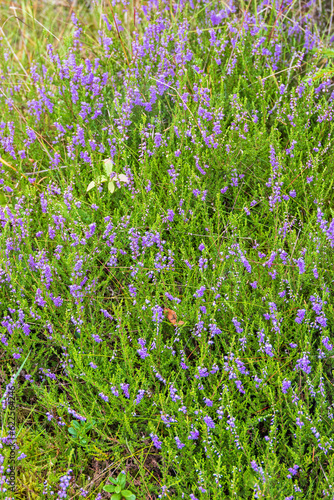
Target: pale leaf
100,179
90,186
108,166
111,187
123,178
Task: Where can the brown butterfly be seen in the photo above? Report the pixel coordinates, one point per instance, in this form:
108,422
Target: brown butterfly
171,316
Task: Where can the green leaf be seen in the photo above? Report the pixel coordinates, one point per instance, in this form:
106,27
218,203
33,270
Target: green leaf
90,186
249,479
100,179
324,52
121,480
116,496
109,488
118,489
85,216
122,178
72,431
3,200
128,495
75,424
111,187
108,166
322,73
112,479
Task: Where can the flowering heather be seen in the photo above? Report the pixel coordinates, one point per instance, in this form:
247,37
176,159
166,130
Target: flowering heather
166,248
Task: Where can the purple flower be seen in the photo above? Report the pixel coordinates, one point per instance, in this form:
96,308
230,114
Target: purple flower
201,247
125,389
194,435
286,386
301,265
157,314
322,320
303,364
178,443
114,391
254,466
293,470
106,314
237,325
140,396
300,315
157,140
203,372
299,422
326,343
246,263
202,263
208,401
200,292
105,398
209,422
39,299
44,203
156,442
143,351
171,215
282,89
96,338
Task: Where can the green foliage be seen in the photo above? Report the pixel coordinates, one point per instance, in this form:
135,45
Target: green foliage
108,168
234,154
117,488
78,431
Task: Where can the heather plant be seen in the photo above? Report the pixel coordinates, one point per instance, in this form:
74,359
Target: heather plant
176,324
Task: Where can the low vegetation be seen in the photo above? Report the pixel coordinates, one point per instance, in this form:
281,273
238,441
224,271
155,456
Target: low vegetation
166,255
